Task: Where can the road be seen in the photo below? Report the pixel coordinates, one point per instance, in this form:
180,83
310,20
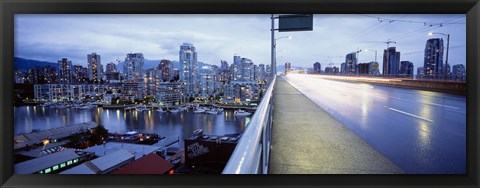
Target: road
420,131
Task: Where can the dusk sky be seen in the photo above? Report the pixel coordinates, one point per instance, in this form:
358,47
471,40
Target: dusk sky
218,37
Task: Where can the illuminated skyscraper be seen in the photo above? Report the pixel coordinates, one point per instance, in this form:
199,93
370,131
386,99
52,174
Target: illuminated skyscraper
95,68
391,62
133,67
433,60
189,69
65,75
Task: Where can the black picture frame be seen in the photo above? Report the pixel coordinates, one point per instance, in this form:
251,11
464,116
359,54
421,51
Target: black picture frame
11,7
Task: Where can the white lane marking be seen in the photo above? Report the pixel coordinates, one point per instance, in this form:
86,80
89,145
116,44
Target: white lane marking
435,104
406,113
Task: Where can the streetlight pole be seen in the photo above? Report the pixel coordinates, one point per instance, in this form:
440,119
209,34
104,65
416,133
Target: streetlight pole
448,45
273,65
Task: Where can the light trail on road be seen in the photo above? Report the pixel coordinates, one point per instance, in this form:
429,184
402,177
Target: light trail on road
420,131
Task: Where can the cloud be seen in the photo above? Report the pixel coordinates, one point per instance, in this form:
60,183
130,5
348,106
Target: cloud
218,37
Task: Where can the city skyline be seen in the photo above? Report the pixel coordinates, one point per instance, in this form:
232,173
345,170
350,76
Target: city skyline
158,37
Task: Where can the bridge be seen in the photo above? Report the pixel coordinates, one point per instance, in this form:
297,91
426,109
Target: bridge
309,124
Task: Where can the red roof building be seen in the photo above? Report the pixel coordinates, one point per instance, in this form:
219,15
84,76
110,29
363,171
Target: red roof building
149,164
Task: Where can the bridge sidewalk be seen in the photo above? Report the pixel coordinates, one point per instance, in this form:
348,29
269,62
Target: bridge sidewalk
307,140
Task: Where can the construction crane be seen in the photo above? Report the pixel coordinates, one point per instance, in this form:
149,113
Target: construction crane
387,42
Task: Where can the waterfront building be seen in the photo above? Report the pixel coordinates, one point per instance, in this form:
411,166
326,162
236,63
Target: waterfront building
170,93
95,68
239,92
65,71
188,60
317,67
261,73
52,163
406,69
132,91
351,63
66,92
149,164
343,68
391,62
104,164
433,60
133,67
458,72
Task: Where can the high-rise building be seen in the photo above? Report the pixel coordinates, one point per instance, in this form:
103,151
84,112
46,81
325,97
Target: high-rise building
188,60
112,75
207,82
224,75
458,72
268,70
343,68
391,62
42,75
406,69
433,60
166,70
351,63
79,74
420,72
317,67
95,68
151,78
247,70
236,68
111,67
133,67
260,74
65,75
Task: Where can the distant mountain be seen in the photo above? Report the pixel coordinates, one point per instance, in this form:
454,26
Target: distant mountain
25,64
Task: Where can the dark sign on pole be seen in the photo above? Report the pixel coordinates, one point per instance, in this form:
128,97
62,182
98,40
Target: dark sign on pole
295,22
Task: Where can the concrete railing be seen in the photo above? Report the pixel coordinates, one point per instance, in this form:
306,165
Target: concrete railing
251,155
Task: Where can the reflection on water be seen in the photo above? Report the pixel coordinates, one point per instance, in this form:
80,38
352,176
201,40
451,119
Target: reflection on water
170,125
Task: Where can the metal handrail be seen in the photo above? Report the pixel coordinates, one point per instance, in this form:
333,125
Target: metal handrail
251,153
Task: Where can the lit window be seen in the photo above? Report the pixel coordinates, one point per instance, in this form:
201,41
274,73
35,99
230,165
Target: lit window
62,165
55,167
48,170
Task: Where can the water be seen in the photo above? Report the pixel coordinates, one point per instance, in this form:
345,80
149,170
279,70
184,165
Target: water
171,125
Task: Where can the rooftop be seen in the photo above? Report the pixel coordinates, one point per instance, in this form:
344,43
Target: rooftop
37,164
150,164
